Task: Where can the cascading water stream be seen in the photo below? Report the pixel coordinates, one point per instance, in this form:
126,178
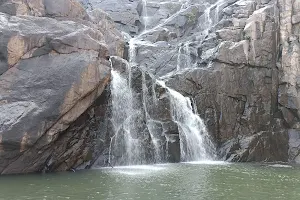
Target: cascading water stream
184,57
123,117
195,144
130,117
145,14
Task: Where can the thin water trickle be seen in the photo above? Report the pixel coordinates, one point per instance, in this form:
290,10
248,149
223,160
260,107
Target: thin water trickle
184,7
149,123
184,60
187,51
145,14
179,58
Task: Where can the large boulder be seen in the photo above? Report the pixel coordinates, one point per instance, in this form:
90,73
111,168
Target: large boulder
52,71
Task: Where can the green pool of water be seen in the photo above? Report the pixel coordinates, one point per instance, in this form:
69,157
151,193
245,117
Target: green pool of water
184,181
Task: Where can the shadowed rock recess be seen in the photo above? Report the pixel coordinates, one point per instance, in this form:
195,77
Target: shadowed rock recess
237,60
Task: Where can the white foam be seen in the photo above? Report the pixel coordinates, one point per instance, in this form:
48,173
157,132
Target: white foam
141,167
280,165
207,162
136,169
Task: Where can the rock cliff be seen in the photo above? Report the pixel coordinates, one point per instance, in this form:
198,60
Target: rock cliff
53,70
238,60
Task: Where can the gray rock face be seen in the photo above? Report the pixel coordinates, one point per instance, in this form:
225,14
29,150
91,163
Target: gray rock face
125,13
237,93
52,71
41,8
238,60
289,73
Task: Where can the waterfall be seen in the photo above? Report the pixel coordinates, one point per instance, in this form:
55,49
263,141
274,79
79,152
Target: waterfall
123,119
195,143
138,137
145,14
128,143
